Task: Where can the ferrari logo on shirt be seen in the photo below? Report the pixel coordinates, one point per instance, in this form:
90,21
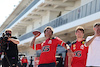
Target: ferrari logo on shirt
50,42
74,46
82,47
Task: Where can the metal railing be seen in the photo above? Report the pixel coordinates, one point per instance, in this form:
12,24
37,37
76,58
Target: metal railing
78,13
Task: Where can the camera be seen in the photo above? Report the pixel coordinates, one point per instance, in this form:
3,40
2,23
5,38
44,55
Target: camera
3,41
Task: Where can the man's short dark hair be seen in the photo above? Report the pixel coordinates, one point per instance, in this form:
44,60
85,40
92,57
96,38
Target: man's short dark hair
79,28
49,27
96,24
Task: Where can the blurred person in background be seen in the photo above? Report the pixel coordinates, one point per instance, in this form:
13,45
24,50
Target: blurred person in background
24,61
31,61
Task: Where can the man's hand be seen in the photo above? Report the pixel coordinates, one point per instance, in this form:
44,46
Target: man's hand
9,39
37,35
69,66
16,41
70,53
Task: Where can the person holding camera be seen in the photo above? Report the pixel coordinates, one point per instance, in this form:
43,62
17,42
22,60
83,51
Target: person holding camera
9,48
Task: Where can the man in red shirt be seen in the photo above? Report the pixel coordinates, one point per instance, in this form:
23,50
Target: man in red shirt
79,50
48,48
24,61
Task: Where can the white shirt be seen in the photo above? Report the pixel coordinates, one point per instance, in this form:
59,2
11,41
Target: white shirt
93,58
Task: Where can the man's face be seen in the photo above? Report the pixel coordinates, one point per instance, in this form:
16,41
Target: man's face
79,34
8,32
97,30
48,33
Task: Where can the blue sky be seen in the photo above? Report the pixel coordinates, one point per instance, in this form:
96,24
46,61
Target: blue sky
6,8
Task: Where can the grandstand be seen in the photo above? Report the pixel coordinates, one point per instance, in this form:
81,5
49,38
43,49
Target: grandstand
63,15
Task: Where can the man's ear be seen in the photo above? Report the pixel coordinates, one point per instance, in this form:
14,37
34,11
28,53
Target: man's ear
94,29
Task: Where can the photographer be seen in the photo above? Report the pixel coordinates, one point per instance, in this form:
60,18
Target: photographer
9,48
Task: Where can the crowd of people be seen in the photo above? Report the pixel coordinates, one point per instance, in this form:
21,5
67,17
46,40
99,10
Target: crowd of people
82,52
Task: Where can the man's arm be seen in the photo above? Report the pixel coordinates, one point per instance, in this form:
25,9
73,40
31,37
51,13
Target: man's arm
16,41
70,55
33,41
90,41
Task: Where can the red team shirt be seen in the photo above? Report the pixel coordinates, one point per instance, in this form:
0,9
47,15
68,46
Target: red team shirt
80,54
48,50
24,60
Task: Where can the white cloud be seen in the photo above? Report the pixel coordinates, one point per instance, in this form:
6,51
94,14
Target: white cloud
6,8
